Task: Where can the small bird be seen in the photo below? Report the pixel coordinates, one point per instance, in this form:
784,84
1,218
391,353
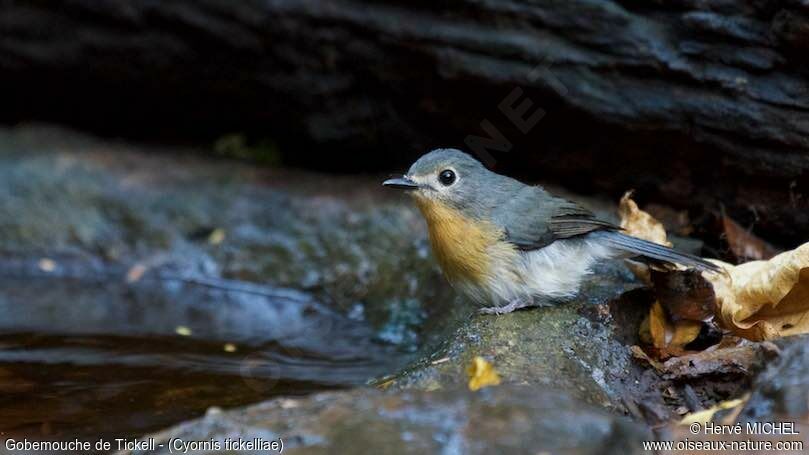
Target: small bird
509,245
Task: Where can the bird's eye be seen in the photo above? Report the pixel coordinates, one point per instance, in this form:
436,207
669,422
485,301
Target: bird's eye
446,177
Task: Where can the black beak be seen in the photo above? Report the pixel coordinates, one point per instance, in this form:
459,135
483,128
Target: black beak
403,183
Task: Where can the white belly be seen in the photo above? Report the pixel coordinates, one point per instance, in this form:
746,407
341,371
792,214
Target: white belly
553,272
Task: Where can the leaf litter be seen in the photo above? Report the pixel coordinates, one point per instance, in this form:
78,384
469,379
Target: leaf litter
748,304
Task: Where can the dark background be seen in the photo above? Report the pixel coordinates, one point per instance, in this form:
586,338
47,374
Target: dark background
699,105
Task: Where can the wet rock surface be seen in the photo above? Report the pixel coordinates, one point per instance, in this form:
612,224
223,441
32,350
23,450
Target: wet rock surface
506,419
572,347
174,284
773,412
150,288
781,391
66,199
509,418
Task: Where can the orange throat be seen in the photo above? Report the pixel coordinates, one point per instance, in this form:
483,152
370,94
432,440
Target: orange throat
463,247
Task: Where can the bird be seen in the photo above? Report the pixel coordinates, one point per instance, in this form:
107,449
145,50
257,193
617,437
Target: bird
508,245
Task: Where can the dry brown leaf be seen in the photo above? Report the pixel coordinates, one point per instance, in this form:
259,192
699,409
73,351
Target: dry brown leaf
668,336
638,223
763,300
684,332
685,294
645,332
658,326
739,359
759,300
482,374
744,244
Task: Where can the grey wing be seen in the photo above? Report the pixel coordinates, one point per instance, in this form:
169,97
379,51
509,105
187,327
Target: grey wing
534,218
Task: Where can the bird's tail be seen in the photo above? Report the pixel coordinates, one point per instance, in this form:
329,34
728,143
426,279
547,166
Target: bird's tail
640,247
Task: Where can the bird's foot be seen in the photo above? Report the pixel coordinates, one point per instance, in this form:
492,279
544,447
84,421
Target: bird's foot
512,306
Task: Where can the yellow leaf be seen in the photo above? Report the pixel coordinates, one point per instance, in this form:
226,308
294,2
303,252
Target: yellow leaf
657,325
229,347
482,374
758,300
706,415
216,236
685,331
638,223
670,335
645,331
182,331
763,300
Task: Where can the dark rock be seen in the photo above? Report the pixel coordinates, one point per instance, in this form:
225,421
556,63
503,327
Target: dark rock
715,89
96,218
780,392
573,347
124,259
792,28
504,419
157,285
772,411
739,28
241,285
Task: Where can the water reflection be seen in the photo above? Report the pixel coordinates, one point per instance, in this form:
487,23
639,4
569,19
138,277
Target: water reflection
84,358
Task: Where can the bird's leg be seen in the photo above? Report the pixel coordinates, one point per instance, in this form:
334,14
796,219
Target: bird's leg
513,305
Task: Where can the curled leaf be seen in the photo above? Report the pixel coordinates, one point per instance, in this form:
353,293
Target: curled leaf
482,374
759,300
684,332
658,326
763,300
638,223
667,336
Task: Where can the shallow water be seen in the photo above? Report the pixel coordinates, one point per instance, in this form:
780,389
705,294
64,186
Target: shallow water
90,359
98,336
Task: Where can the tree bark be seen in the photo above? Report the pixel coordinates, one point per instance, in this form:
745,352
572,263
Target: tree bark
702,104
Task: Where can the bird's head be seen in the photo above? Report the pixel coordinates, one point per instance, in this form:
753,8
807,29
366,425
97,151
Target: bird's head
449,177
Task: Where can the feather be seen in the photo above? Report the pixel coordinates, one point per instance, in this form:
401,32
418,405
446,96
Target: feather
534,219
653,250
